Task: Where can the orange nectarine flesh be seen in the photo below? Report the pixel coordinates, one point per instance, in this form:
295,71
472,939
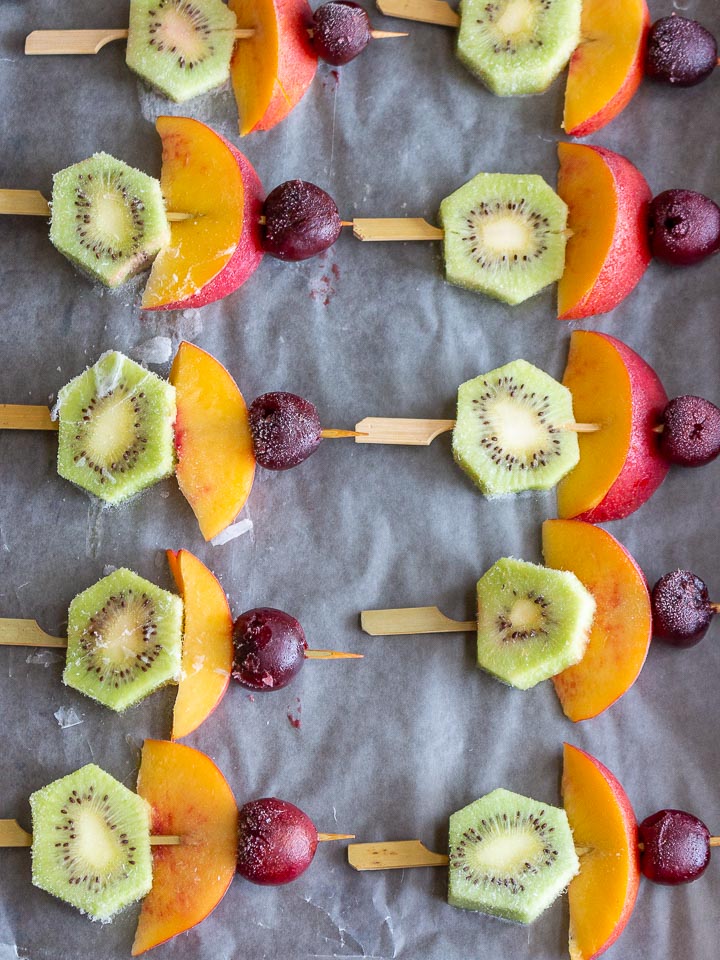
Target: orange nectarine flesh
191,799
602,895
201,177
216,462
207,651
600,385
607,67
622,628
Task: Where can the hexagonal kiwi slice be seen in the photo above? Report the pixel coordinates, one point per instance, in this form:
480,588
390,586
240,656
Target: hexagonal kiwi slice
181,47
509,433
91,842
116,429
533,622
505,235
510,856
124,640
518,46
108,218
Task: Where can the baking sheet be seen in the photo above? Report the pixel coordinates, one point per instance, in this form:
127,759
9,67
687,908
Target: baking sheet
389,746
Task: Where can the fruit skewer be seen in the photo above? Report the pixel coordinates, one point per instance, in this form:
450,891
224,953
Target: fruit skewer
585,620
503,235
269,50
127,638
511,856
106,858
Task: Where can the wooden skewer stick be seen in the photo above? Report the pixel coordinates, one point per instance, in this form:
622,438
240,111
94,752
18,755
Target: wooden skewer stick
408,621
396,855
31,203
338,434
423,432
332,655
325,837
13,835
381,229
18,416
59,42
424,11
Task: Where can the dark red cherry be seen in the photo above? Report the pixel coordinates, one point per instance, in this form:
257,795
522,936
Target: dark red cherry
681,609
285,430
691,431
684,227
676,847
680,51
269,648
341,30
301,220
277,841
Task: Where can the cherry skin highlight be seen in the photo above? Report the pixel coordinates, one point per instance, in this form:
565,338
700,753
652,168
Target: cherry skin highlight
684,227
285,430
341,30
301,220
691,431
269,648
681,609
680,51
676,847
277,841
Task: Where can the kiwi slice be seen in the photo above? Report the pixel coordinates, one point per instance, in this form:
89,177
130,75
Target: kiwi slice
124,640
510,856
116,432
518,46
505,235
181,47
108,218
533,622
509,434
91,842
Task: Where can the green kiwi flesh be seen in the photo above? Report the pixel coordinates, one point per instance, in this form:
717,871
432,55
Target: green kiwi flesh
510,856
181,47
533,622
504,235
116,433
91,842
108,218
124,640
509,433
518,46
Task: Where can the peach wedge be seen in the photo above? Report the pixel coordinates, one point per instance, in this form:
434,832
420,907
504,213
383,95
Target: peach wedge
189,798
207,650
218,246
216,463
622,628
607,66
271,72
620,465
603,894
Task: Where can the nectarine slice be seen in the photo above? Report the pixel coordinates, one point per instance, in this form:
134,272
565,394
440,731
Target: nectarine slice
271,71
603,894
620,465
608,250
216,463
191,799
622,628
207,651
607,66
218,247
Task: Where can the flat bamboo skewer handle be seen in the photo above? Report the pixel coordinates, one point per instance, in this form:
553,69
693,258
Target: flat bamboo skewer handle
19,416
24,203
419,433
424,11
59,42
408,621
394,856
13,835
381,229
27,633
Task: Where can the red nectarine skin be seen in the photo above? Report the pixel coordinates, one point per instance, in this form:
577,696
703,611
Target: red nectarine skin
620,465
609,250
608,65
605,832
622,627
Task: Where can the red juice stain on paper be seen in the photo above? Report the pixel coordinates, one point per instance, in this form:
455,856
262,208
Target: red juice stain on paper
294,714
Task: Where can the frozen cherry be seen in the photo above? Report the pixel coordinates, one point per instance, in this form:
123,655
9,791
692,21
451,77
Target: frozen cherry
269,648
301,220
285,430
681,609
676,847
277,841
680,51
341,30
684,227
691,431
